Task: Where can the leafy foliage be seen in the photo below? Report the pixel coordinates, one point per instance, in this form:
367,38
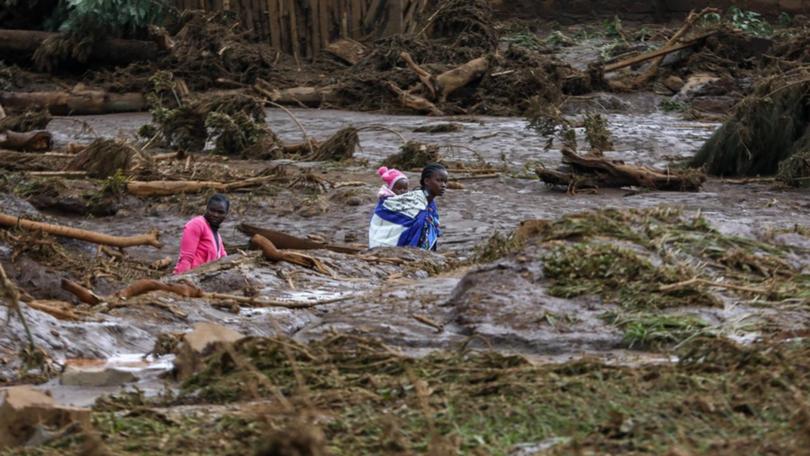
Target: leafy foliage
750,21
109,17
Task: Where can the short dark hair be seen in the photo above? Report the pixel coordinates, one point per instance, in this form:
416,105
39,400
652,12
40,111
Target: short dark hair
429,170
219,198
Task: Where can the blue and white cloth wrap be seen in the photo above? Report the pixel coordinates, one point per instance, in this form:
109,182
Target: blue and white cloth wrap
407,220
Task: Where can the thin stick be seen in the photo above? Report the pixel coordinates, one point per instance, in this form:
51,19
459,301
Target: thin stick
11,294
295,119
152,238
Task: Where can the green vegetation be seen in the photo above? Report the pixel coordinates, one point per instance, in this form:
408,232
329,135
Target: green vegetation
597,133
497,246
110,17
656,331
525,39
234,124
85,22
353,396
618,275
671,105
749,21
653,259
743,20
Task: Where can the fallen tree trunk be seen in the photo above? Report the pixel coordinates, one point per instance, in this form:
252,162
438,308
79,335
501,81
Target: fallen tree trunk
286,241
589,171
414,102
152,238
273,254
33,141
111,50
165,188
144,286
76,102
450,81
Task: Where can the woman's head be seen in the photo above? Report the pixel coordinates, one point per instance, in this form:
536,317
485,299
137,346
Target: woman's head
217,209
434,179
394,179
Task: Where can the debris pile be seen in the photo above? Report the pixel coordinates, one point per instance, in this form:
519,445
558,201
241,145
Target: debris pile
430,399
595,171
767,128
413,155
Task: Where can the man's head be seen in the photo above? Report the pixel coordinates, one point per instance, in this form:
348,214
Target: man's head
217,210
434,179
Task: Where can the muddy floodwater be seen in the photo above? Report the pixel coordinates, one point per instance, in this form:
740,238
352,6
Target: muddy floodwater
381,299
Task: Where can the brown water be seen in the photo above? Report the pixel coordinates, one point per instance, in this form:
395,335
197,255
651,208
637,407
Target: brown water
385,301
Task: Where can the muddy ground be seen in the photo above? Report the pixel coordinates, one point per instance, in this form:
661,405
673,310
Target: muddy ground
623,355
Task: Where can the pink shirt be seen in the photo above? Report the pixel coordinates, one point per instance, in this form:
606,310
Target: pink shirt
197,246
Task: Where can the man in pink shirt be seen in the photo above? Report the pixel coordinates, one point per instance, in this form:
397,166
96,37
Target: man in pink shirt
201,242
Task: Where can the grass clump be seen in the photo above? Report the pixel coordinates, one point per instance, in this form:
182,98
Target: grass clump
497,246
653,258
795,170
616,274
348,395
654,331
413,155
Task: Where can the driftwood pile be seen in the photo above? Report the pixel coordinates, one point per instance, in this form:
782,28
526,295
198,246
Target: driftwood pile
594,171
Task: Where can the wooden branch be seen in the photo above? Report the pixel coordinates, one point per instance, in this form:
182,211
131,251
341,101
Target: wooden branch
690,21
452,80
144,286
414,102
421,73
76,102
164,188
273,254
152,238
83,294
58,309
653,54
286,241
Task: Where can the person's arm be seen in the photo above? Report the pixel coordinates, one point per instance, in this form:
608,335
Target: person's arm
188,247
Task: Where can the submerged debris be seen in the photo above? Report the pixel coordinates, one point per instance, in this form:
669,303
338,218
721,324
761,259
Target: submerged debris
28,121
795,170
105,157
413,155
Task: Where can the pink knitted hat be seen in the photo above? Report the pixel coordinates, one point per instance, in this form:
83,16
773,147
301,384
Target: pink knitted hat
390,176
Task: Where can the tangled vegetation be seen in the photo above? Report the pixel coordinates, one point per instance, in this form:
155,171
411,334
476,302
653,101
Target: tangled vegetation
691,257
349,395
